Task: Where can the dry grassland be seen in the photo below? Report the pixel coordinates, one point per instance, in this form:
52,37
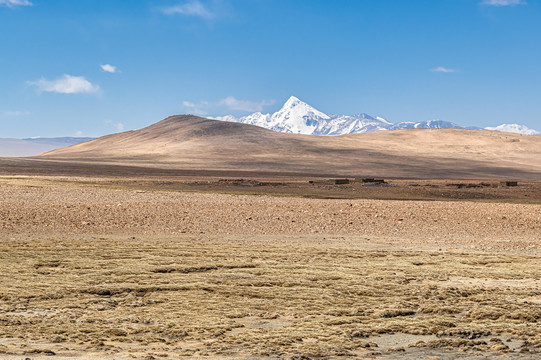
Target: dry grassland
103,290
205,297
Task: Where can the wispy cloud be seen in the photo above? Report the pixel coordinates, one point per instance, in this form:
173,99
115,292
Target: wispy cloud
245,105
118,126
15,113
67,84
191,8
109,68
503,2
230,102
13,3
442,69
197,109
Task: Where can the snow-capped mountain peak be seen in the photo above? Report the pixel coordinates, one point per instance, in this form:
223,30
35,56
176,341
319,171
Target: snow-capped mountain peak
297,117
292,101
515,128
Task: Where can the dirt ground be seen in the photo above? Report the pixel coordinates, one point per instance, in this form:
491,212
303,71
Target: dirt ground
116,268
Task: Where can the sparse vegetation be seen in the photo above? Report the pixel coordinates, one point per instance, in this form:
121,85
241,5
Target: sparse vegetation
192,296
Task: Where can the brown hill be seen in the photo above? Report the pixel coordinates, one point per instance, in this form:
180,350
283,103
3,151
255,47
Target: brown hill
194,143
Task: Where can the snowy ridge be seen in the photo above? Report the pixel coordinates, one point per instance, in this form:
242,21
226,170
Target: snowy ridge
298,117
430,124
514,128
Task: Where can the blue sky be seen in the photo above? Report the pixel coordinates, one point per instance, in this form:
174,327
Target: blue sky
93,67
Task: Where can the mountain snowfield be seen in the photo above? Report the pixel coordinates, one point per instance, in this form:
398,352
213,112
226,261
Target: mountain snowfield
298,117
514,128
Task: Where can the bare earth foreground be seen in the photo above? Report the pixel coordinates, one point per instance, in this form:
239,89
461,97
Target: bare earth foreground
156,268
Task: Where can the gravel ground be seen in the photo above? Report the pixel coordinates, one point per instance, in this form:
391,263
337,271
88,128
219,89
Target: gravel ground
35,209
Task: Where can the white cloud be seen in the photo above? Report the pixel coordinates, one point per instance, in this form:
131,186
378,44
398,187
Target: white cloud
245,105
443,70
12,3
109,68
118,126
230,102
502,2
197,109
192,8
67,84
78,133
16,113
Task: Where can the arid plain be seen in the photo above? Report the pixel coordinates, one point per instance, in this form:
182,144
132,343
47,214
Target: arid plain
120,256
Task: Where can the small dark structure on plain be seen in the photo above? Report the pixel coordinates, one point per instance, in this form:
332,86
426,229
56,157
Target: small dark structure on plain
509,183
373,181
330,182
470,185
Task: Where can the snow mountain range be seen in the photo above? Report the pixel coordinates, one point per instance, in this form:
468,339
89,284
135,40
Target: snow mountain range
514,128
298,117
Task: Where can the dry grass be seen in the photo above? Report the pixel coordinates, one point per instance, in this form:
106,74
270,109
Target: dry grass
188,296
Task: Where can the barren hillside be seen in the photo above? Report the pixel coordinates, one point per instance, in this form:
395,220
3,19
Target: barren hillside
190,142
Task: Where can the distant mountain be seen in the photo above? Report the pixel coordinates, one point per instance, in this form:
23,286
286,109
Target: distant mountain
67,140
515,128
298,117
189,143
429,124
36,146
